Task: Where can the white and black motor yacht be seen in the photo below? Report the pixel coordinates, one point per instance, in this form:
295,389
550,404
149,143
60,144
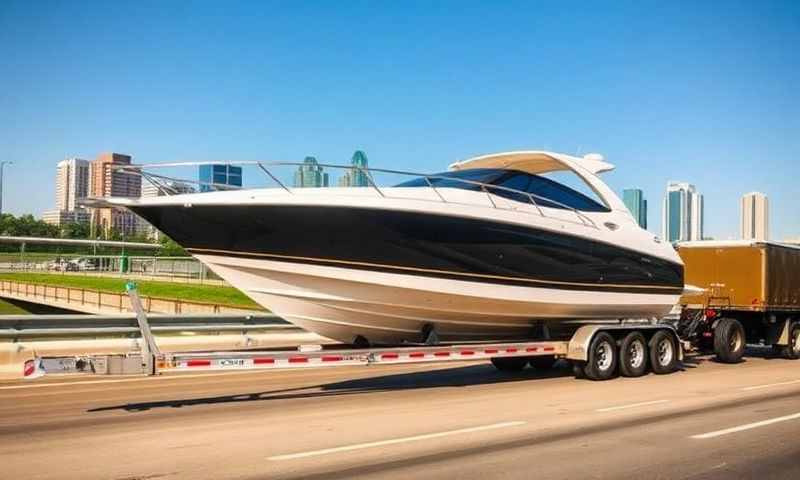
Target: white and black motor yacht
490,249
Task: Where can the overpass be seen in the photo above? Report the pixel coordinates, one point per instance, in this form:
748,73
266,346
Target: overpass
97,302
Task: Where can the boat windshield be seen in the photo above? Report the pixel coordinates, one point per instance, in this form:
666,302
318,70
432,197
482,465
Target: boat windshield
547,193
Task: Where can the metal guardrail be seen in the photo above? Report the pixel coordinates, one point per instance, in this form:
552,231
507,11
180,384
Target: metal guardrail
33,326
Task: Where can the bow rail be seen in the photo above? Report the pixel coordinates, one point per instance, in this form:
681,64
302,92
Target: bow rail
162,182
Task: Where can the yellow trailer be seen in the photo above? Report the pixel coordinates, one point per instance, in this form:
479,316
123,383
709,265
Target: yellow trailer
750,293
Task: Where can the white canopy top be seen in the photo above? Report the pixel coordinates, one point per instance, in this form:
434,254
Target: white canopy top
535,162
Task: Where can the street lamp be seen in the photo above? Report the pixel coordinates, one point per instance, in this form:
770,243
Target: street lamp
2,165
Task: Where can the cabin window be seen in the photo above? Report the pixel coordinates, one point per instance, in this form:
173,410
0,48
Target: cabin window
545,192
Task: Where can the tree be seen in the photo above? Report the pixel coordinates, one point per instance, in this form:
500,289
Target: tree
169,248
75,230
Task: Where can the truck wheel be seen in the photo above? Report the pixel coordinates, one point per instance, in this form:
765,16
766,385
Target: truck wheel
663,353
792,351
729,341
633,355
544,362
603,357
509,364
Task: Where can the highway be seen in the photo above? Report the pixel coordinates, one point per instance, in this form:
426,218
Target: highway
441,421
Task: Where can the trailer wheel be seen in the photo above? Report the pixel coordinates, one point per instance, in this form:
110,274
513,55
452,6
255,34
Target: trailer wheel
603,357
633,355
579,369
663,353
509,364
544,362
792,351
729,341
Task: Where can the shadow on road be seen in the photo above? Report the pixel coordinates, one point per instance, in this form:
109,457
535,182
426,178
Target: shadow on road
449,377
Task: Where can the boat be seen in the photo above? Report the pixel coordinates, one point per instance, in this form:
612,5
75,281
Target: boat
489,249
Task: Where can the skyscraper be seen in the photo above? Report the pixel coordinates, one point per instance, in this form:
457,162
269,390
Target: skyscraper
72,185
755,216
682,216
634,200
219,175
310,174
356,177
107,181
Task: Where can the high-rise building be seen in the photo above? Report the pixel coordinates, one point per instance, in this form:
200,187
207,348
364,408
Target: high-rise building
755,216
108,181
72,185
310,174
682,216
355,177
634,200
216,177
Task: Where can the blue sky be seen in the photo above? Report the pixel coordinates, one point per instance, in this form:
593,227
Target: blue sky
705,92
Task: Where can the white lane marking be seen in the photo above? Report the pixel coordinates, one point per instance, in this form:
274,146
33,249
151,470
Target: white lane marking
631,405
393,441
748,426
120,380
768,385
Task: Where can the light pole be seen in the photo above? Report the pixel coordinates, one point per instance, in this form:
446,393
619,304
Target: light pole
2,165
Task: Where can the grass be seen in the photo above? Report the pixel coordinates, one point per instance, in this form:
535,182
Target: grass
7,308
175,291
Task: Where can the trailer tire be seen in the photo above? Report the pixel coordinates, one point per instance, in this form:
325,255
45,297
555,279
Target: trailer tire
663,353
579,369
510,364
544,362
729,341
792,351
633,355
603,357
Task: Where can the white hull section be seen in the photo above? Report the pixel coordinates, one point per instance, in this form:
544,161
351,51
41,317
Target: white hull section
343,303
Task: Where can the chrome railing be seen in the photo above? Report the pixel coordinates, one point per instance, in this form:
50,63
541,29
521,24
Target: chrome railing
162,182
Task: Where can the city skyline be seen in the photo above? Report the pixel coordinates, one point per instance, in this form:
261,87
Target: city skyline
697,92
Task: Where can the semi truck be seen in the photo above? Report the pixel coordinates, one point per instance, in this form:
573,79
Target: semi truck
749,293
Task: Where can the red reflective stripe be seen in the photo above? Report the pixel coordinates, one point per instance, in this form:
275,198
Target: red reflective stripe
416,354
198,363
549,349
467,352
490,350
389,355
298,360
30,367
511,350
332,358
442,354
259,361
531,349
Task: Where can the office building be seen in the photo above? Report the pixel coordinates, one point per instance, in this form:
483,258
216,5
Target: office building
634,200
355,177
754,216
219,177
72,185
107,181
682,216
310,174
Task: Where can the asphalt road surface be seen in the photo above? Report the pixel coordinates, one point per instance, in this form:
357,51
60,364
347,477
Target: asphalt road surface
457,420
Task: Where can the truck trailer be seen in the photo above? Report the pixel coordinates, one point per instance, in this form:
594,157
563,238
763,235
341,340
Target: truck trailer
748,293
